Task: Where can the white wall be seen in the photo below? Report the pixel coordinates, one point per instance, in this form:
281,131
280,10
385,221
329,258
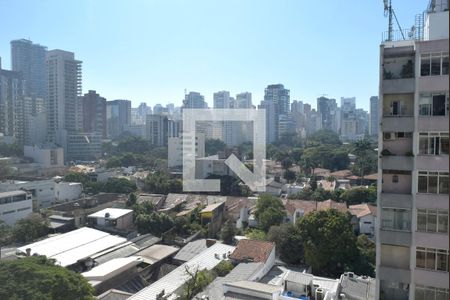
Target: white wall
368,228
11,212
67,191
436,26
42,190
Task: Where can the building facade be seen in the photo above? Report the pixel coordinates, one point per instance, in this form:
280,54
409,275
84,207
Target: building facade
374,121
413,208
118,114
93,111
14,206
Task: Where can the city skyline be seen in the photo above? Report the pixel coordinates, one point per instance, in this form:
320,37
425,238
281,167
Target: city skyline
162,70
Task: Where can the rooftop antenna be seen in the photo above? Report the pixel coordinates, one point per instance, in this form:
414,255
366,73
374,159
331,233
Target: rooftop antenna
389,11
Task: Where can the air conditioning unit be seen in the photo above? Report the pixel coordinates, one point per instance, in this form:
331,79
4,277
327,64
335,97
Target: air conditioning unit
389,136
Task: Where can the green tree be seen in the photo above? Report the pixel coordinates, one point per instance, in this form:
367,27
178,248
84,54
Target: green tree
160,183
38,278
366,256
228,232
120,185
28,229
329,242
223,268
366,160
324,137
320,195
114,162
154,223
289,175
76,177
304,194
256,234
11,150
359,195
198,280
212,146
136,145
5,234
289,245
5,170
269,211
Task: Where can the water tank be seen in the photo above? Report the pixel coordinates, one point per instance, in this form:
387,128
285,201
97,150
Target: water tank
320,294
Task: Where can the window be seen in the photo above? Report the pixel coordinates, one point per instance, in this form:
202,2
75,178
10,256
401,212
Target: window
434,64
433,143
432,220
435,104
397,135
433,182
430,293
9,212
396,219
432,259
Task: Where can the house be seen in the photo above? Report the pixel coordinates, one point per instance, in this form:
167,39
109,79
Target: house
255,251
212,215
191,250
273,186
327,185
15,205
331,204
366,218
156,199
112,218
341,174
239,209
296,209
321,173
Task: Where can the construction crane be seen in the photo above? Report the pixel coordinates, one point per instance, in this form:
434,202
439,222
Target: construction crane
389,12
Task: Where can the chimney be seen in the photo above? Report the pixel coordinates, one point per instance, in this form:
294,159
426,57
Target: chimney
28,250
210,242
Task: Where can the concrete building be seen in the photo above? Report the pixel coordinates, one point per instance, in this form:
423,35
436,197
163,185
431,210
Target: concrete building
48,155
327,111
374,119
276,102
159,128
15,205
116,218
11,97
194,100
348,118
118,114
29,59
84,146
175,149
93,111
412,232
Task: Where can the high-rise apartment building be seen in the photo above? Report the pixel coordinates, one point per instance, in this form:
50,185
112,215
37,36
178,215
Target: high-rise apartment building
194,100
11,102
276,102
118,114
348,118
93,111
373,125
413,175
244,100
64,87
29,59
159,128
327,110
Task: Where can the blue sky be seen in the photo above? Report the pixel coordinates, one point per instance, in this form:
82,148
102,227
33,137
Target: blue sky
151,51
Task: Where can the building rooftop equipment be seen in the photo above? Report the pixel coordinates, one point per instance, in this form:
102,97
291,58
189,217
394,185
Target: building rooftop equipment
111,213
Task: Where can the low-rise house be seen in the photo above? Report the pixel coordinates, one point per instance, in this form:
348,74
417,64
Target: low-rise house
355,287
273,186
366,218
112,218
341,174
296,209
255,251
321,173
327,185
239,210
156,199
331,204
212,215
15,205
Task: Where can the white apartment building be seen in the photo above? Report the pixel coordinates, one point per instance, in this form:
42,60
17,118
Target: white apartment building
15,205
48,156
175,149
413,208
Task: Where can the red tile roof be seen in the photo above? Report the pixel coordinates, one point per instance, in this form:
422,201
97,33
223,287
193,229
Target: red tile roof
252,250
361,210
329,204
306,206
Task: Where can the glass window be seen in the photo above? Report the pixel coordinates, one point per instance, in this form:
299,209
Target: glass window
430,259
425,65
436,64
442,221
421,220
422,184
439,105
445,63
441,260
431,221
433,182
420,257
425,105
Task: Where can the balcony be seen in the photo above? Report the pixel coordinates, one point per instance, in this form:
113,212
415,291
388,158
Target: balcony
431,239
432,201
396,182
398,73
398,85
396,200
433,123
397,143
432,162
403,163
392,237
431,278
394,274
398,123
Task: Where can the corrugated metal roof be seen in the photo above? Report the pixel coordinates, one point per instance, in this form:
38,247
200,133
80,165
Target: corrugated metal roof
72,246
175,279
190,250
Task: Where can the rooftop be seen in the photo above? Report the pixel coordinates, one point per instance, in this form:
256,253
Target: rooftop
191,249
330,204
156,253
70,247
102,271
175,279
212,207
252,250
255,286
361,210
113,213
12,193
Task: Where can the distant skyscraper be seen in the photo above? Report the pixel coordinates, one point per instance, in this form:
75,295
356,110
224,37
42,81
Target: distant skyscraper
327,110
93,109
64,86
11,97
194,100
29,59
348,118
373,128
276,102
118,114
244,100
